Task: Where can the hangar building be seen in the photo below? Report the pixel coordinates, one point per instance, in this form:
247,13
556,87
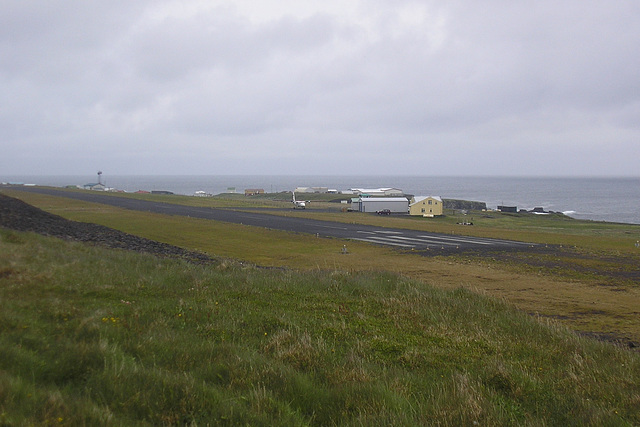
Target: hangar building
375,204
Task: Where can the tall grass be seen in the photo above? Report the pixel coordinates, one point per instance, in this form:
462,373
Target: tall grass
589,288
95,336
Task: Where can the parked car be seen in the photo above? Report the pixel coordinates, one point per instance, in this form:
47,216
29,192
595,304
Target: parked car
384,212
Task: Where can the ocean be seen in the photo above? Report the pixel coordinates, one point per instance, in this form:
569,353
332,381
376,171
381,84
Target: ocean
598,199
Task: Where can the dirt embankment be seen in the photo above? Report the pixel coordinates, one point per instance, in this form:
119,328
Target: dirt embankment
18,215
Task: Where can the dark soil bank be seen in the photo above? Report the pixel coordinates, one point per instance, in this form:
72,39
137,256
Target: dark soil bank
18,215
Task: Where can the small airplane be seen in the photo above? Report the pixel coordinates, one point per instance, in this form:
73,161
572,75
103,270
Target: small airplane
299,204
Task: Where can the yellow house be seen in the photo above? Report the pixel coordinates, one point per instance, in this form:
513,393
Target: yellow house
426,206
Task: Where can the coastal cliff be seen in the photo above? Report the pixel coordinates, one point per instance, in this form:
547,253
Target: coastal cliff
463,205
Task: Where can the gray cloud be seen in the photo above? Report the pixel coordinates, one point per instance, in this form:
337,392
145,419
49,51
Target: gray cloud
280,87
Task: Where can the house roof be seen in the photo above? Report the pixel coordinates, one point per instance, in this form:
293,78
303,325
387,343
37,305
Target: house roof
384,199
422,198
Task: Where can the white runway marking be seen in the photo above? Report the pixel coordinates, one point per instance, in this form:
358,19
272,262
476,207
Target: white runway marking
428,241
461,240
396,238
405,242
381,241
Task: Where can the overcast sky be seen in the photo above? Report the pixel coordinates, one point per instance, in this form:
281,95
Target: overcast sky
390,87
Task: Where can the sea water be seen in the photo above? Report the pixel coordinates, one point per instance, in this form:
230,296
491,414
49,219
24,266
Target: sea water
599,199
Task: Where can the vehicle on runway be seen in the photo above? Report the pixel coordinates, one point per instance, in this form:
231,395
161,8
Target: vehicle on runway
299,204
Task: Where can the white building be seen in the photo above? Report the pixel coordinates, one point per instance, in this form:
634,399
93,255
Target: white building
312,189
388,192
95,186
375,204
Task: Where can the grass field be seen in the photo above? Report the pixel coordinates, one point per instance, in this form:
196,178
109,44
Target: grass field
92,336
376,336
590,284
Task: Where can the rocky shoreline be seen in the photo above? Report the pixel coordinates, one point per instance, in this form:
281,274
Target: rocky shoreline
20,216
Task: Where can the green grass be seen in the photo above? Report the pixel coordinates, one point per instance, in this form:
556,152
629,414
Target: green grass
554,229
236,200
94,336
589,288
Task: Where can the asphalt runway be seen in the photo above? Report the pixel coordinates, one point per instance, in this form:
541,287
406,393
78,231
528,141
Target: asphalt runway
399,238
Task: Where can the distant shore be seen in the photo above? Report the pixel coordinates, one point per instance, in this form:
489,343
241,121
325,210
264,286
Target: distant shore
600,199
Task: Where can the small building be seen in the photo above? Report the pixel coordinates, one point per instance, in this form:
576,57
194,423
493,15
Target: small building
380,192
311,190
95,186
376,204
253,191
510,209
428,206
354,204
